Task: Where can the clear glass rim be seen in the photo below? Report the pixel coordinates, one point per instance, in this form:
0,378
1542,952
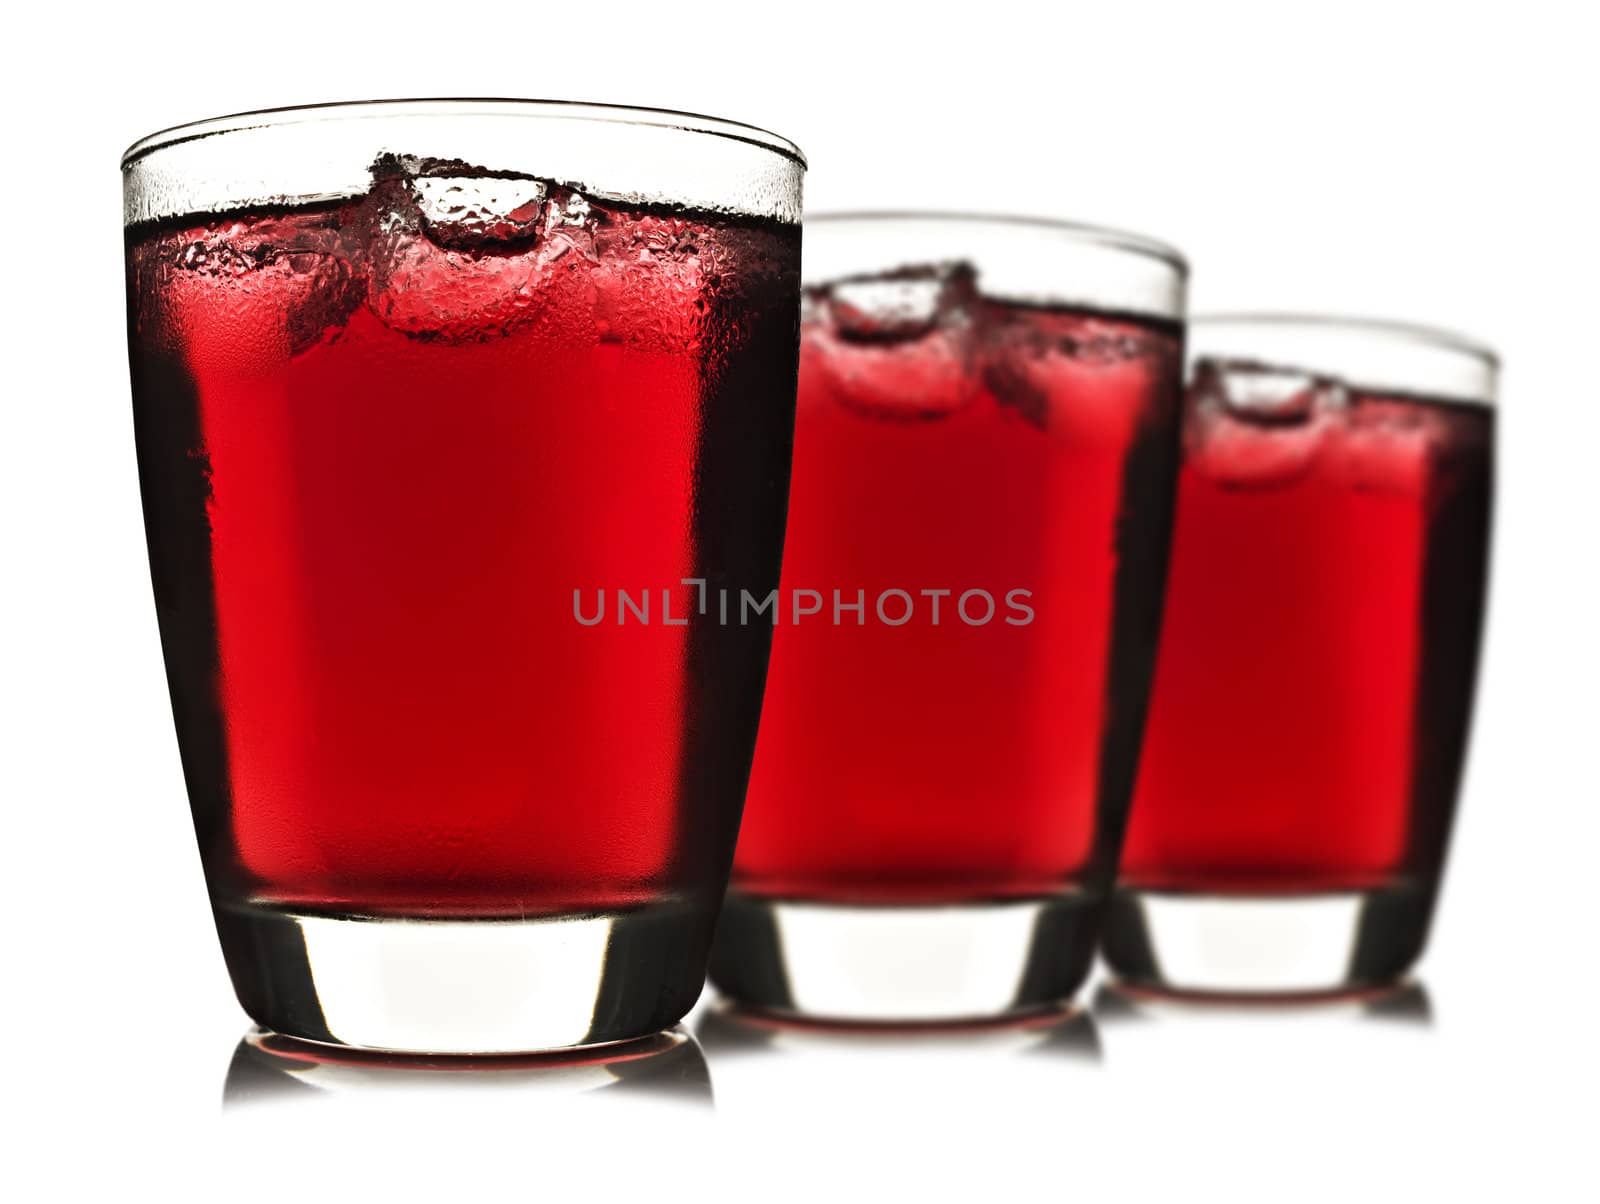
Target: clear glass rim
1413,333
1083,232
568,110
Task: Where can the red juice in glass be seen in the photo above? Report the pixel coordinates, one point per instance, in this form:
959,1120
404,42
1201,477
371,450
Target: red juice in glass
979,514
1309,715
386,443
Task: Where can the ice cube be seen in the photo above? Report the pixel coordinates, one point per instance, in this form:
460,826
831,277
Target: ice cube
462,253
477,212
1254,426
1011,375
813,307
455,257
1053,368
1392,445
900,346
655,280
297,271
1274,396
903,305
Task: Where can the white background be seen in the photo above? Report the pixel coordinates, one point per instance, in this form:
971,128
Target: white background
1429,163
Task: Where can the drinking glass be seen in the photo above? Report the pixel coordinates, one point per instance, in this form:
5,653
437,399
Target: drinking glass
408,379
985,457
1309,717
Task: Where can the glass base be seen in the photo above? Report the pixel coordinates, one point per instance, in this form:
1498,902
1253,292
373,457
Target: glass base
860,963
1282,945
457,986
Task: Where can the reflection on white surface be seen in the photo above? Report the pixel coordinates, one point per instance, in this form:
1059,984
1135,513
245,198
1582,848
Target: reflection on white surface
917,1092
1144,1098
1139,1096
668,1067
1299,1053
727,1031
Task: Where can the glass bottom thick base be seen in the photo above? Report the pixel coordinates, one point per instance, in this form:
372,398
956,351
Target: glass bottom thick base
1265,945
465,986
871,964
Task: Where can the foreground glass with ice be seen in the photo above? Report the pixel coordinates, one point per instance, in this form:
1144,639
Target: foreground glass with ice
407,376
1309,717
985,454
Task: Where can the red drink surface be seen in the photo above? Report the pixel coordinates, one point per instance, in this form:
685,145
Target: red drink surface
1319,646
994,447
381,444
